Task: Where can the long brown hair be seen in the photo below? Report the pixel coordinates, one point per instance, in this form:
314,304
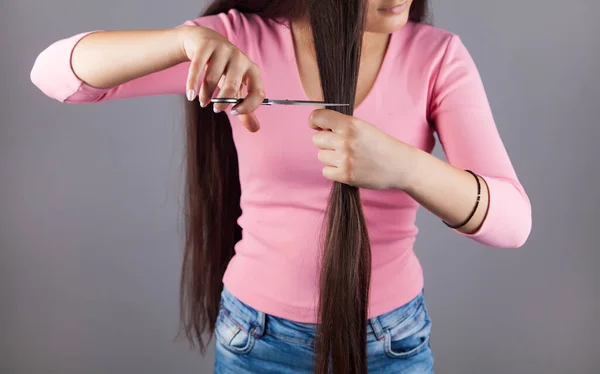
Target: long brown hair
212,194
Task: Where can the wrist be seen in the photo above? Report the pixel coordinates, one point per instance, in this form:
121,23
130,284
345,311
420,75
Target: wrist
406,167
179,35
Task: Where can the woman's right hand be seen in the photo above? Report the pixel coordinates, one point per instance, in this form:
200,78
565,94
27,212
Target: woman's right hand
227,68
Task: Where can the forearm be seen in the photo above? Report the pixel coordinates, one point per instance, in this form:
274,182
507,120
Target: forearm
448,192
106,59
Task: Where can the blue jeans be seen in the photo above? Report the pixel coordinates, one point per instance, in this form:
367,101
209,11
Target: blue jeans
249,341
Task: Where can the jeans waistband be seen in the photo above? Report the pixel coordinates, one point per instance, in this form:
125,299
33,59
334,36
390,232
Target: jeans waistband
247,318
253,321
393,318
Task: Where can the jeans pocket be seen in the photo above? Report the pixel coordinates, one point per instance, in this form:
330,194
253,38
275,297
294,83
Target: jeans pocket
231,334
410,336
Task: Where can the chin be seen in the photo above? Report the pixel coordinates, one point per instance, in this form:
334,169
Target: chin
387,25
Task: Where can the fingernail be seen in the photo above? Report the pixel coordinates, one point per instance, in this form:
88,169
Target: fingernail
203,105
234,112
215,109
191,94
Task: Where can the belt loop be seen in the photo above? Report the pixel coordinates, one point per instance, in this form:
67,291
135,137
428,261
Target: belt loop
377,328
259,325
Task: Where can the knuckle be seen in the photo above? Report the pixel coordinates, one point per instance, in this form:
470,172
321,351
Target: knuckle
221,80
193,73
212,79
350,138
343,129
347,145
313,117
235,51
194,68
352,127
253,67
260,93
210,43
231,86
320,155
237,58
315,139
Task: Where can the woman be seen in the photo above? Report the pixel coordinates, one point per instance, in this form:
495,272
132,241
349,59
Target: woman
413,81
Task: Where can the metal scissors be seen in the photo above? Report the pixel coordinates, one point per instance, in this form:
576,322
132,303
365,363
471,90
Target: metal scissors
230,100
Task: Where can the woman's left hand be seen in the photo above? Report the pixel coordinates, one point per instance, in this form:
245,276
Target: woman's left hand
357,153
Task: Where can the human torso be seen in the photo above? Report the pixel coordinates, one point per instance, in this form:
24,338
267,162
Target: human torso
284,194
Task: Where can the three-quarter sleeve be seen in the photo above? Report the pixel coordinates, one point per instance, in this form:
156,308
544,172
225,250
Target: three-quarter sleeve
461,114
53,74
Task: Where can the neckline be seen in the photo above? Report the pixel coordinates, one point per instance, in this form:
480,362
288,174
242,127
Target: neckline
383,68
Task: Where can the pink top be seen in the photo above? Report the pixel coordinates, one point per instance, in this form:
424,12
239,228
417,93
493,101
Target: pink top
427,75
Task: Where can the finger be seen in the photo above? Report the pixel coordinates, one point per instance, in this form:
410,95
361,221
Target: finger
333,173
217,91
250,122
232,83
329,157
327,119
195,72
325,139
256,91
214,71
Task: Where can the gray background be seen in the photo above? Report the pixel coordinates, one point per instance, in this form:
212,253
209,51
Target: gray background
90,233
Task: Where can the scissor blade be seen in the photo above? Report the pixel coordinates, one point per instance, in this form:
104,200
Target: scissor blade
303,102
229,100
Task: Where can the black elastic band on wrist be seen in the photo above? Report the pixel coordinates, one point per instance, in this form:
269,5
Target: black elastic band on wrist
474,208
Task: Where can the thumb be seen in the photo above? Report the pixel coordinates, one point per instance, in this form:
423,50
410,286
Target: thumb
249,121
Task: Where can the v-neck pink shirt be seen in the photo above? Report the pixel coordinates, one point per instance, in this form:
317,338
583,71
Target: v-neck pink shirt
427,77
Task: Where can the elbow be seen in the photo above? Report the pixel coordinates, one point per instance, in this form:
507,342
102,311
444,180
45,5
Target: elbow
42,77
36,75
53,76
508,222
521,227
510,234
523,221
521,233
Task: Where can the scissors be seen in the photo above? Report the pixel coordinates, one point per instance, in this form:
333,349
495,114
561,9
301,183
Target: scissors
229,100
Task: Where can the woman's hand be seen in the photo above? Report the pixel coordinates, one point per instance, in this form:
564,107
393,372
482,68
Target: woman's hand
226,67
357,153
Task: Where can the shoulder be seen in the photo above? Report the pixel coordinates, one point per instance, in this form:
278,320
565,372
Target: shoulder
428,47
427,40
428,32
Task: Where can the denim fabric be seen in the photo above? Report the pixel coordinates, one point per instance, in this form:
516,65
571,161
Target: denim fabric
249,341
